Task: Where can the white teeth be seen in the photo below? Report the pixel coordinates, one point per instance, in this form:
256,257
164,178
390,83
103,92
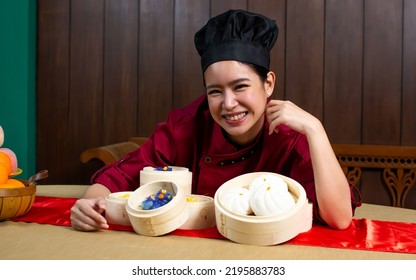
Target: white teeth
235,117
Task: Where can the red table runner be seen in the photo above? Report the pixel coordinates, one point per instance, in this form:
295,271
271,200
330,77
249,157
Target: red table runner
363,234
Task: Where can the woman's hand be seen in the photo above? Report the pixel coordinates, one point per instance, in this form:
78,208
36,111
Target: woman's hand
87,212
285,112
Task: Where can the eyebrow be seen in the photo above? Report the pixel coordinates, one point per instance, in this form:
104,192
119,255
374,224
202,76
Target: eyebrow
229,84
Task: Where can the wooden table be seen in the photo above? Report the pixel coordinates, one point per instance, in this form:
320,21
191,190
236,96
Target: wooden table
26,241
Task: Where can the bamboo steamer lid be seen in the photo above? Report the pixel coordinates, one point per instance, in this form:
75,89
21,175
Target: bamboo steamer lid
162,220
263,230
181,176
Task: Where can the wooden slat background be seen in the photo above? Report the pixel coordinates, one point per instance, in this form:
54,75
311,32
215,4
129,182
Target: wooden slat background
112,69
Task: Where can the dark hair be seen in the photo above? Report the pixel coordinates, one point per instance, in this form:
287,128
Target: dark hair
259,70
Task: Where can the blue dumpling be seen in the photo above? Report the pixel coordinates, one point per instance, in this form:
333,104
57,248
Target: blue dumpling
161,198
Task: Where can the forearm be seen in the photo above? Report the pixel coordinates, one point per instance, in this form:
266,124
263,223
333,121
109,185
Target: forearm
332,188
96,190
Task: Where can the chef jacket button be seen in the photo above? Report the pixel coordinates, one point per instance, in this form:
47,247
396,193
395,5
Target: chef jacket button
207,159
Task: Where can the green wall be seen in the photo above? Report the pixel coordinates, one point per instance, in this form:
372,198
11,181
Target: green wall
18,80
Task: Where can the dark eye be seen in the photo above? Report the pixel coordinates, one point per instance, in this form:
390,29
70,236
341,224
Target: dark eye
241,86
213,92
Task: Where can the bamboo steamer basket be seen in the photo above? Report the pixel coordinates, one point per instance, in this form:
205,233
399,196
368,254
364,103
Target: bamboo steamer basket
162,220
181,176
115,211
201,212
15,202
263,230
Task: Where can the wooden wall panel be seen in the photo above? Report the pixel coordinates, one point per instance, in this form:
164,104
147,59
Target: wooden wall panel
408,132
86,82
277,11
53,88
220,6
344,24
382,72
155,63
304,54
120,70
190,16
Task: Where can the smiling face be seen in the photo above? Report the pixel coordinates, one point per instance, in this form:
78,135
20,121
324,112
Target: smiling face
237,98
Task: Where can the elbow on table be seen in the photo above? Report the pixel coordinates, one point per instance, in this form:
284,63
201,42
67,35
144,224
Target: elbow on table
339,222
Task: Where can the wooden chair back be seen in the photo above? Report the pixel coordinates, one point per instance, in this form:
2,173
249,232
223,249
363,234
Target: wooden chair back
398,165
111,153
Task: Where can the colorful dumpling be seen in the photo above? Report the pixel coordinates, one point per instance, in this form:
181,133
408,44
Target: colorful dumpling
161,198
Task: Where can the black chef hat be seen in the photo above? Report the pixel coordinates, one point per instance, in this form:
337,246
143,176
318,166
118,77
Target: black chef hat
237,35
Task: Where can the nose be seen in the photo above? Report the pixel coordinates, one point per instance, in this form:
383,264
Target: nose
229,100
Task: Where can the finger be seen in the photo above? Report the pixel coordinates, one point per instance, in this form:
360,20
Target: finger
94,211
78,219
273,120
83,215
79,225
101,204
94,219
87,224
273,128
